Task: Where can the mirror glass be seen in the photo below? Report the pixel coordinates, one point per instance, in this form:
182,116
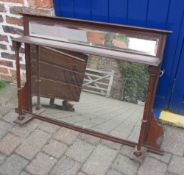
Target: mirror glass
129,42
90,92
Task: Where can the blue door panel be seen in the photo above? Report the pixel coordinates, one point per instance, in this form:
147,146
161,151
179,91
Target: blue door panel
100,10
64,8
177,98
118,11
176,24
171,56
137,12
177,101
82,9
57,7
163,14
157,13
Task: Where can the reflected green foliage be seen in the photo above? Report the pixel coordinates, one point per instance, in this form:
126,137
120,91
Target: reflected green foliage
2,84
122,38
109,37
135,80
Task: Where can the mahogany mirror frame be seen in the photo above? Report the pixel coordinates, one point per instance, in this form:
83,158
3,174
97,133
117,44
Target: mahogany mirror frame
150,132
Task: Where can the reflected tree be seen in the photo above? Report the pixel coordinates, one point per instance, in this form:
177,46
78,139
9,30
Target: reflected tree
135,79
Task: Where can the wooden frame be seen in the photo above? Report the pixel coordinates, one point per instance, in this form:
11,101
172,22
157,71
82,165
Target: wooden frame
150,129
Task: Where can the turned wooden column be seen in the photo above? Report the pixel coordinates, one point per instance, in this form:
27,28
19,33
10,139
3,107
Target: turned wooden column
38,105
16,46
28,104
154,73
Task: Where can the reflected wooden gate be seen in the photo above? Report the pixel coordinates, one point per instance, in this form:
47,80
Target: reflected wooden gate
98,82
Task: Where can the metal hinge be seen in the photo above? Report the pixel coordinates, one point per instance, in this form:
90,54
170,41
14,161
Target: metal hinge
162,72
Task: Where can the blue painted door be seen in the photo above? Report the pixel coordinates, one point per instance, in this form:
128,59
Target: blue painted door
177,98
162,14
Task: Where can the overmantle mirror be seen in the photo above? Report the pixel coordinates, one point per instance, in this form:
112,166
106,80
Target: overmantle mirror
106,95
91,77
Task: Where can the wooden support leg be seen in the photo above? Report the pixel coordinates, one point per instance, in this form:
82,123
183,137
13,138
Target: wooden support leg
154,73
28,104
52,101
16,46
22,118
38,106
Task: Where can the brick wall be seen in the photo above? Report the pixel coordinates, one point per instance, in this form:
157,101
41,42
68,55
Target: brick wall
11,26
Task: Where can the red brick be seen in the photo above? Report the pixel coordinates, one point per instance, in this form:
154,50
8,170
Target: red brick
4,70
14,1
95,37
1,18
15,10
3,38
2,8
38,11
13,74
6,63
120,43
8,55
6,77
13,20
12,30
3,47
40,3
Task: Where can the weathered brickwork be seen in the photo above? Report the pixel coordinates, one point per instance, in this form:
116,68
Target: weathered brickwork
11,26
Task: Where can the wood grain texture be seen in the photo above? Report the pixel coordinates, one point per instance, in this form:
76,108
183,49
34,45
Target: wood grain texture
55,89
118,55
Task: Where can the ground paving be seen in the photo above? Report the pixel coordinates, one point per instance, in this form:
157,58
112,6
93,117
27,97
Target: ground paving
39,148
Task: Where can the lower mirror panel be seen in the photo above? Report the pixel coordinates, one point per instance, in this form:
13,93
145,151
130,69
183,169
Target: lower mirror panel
97,113
107,96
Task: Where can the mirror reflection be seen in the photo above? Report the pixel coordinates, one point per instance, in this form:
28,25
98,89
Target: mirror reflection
119,41
90,92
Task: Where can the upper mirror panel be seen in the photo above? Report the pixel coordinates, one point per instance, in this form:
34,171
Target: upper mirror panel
129,42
